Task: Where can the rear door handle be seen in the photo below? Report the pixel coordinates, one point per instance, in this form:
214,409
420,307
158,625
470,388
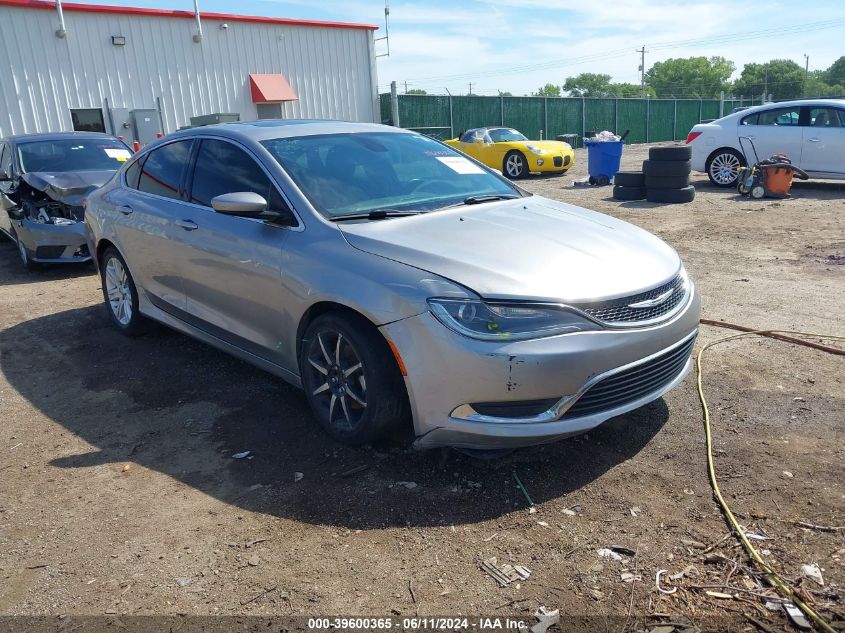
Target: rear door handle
187,225
125,210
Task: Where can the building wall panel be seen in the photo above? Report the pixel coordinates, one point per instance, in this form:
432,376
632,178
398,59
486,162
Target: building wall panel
42,76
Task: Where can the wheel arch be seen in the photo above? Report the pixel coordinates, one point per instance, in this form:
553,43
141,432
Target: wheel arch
323,307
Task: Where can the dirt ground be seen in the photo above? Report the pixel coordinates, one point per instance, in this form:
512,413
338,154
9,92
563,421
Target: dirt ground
119,493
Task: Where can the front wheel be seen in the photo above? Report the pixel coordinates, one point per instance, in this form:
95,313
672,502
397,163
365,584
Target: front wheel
516,165
723,167
351,379
120,294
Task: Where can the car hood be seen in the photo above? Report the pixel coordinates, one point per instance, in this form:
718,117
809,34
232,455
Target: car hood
69,187
531,249
554,146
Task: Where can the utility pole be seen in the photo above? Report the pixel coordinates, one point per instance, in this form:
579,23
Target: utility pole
642,51
406,87
470,87
765,85
806,72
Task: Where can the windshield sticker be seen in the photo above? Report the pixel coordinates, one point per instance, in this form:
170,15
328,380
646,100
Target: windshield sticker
120,155
460,165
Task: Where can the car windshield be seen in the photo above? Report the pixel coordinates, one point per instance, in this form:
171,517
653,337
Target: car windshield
73,155
350,174
503,135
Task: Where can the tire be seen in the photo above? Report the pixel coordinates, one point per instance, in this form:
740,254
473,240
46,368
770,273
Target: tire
629,179
333,346
628,193
24,255
515,165
672,152
666,167
723,165
674,196
121,295
667,182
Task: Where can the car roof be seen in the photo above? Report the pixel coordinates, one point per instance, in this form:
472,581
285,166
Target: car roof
287,128
786,104
56,136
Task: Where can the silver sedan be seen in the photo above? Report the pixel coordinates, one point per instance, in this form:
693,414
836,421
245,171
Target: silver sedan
395,280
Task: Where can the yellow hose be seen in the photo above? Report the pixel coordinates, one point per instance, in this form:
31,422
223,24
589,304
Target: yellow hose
771,575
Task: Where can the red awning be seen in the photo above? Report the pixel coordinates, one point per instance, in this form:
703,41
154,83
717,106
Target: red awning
270,88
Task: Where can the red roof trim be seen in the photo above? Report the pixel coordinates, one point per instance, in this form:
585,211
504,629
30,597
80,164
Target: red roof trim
166,13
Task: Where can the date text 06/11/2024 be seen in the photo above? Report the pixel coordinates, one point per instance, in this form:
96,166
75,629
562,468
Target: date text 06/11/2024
415,623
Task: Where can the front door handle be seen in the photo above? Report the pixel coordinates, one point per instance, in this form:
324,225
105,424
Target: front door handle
125,210
187,225
814,140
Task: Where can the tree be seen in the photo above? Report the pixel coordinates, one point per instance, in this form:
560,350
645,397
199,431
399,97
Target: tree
781,78
416,91
588,85
629,91
505,94
697,77
549,90
835,75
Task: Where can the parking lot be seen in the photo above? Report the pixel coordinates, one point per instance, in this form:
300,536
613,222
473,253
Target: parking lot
119,493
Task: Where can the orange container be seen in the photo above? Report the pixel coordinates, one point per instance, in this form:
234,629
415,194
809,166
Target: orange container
777,179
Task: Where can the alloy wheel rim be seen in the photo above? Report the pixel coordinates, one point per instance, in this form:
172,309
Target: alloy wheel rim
336,379
725,168
514,165
119,291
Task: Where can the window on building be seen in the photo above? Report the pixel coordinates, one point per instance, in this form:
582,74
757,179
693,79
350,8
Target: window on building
223,168
269,110
162,171
87,120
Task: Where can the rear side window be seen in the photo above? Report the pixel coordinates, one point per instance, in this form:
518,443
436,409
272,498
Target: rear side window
750,120
780,116
6,159
133,173
161,173
222,167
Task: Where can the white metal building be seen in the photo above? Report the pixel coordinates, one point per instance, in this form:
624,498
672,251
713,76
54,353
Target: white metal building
135,72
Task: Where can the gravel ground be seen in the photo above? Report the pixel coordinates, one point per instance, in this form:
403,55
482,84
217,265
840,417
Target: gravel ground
118,493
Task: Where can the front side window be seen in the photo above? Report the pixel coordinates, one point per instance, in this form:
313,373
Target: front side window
162,170
73,155
346,174
780,116
502,135
224,168
826,117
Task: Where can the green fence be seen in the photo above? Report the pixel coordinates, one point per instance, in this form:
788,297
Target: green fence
649,120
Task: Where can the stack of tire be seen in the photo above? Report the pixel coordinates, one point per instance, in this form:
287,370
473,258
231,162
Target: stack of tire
664,178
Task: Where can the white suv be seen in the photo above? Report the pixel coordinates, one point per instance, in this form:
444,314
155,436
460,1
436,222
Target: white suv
811,132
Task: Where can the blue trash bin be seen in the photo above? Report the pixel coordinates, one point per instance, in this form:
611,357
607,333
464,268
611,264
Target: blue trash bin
603,160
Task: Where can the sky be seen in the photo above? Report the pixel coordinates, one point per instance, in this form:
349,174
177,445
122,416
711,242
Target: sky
519,45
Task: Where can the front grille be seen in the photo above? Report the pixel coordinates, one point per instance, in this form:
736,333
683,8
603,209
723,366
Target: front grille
49,252
619,310
558,161
633,383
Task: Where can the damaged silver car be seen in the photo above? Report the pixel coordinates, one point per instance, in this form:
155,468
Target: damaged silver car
44,179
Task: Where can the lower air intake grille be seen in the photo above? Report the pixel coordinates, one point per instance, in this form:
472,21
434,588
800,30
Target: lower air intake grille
632,383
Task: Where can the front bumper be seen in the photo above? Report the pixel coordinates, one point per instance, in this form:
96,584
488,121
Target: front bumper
563,163
54,243
448,372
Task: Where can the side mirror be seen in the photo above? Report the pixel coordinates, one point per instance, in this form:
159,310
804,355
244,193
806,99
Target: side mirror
245,203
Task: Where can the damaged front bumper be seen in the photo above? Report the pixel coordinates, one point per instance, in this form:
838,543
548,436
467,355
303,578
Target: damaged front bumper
478,394
53,243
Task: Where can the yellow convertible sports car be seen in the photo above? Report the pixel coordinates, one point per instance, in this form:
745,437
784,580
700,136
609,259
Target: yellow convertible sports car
507,150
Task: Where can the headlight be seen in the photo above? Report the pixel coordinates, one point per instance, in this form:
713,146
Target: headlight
487,322
536,150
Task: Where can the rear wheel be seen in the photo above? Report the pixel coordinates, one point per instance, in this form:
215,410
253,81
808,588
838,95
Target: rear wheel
515,165
723,167
351,379
121,295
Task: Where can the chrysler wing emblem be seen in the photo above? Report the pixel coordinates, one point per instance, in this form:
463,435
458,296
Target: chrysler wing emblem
650,303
